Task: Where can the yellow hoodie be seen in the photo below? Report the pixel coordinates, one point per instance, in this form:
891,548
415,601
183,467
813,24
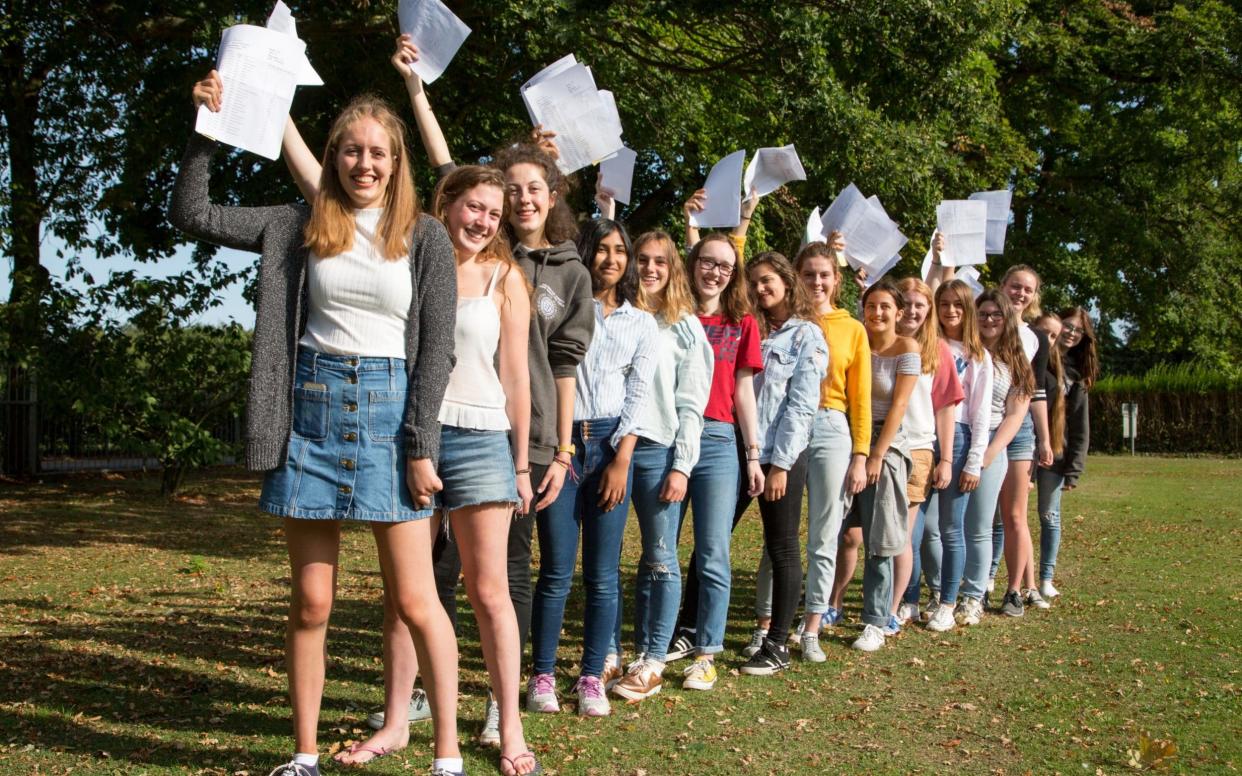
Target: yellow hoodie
848,385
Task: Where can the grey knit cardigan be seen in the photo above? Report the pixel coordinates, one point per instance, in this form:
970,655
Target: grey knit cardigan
276,233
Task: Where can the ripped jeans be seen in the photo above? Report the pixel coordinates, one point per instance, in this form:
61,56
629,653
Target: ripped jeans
657,594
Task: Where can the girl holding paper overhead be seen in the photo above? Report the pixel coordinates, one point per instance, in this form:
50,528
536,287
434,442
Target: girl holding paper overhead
353,347
723,309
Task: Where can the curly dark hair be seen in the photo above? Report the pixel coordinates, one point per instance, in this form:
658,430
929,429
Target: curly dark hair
561,224
588,242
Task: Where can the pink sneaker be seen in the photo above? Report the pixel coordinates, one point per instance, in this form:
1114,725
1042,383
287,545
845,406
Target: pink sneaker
591,700
541,694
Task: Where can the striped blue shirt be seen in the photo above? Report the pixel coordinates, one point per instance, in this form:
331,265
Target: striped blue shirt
615,376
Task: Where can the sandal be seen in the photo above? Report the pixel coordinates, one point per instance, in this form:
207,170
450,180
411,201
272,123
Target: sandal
376,752
512,761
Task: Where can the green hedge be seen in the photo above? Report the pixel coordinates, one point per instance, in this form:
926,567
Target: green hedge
1183,408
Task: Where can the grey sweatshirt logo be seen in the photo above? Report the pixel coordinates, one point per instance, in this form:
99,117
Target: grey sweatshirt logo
547,302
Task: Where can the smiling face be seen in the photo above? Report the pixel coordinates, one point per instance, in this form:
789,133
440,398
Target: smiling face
881,313
1071,331
769,289
365,160
610,261
991,322
474,218
653,267
951,310
714,269
1020,287
915,313
819,277
530,199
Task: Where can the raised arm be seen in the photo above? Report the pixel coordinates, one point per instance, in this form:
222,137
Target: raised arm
938,273
428,127
302,164
693,205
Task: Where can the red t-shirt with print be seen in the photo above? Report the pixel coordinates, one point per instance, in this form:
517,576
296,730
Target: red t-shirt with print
736,346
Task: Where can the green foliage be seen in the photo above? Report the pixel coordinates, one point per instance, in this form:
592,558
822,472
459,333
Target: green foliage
1172,378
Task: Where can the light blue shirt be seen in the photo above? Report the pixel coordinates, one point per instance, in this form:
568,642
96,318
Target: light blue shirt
795,362
615,376
680,387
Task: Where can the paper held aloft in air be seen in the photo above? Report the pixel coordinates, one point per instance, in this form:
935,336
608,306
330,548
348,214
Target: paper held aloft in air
871,237
259,68
814,228
970,276
964,224
281,20
564,99
435,31
722,205
616,175
998,217
772,168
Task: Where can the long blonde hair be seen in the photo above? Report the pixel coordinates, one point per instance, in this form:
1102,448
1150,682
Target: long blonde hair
928,335
676,301
970,326
330,230
796,300
1007,349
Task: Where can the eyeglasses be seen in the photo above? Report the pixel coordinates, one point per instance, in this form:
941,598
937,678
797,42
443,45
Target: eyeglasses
708,265
1068,329
996,316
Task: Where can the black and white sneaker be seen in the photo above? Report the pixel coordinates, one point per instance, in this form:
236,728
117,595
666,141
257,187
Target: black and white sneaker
681,646
1012,605
770,659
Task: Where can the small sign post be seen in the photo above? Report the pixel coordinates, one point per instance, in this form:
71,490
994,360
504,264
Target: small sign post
1129,423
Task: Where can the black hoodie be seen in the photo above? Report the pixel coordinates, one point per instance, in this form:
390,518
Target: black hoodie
562,323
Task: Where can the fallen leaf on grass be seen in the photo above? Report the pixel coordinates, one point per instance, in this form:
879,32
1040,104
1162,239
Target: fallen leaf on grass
1152,753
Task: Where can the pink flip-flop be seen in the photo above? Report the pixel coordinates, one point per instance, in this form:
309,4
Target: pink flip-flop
513,762
376,751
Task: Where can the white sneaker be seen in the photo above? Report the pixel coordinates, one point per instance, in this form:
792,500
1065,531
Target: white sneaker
756,641
1047,590
811,651
872,638
701,675
968,612
1031,597
541,694
490,734
591,699
941,619
907,613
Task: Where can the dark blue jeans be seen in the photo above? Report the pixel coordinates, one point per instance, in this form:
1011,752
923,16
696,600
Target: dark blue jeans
576,508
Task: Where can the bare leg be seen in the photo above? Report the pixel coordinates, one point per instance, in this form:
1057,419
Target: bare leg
405,557
313,549
1014,499
483,544
903,564
847,563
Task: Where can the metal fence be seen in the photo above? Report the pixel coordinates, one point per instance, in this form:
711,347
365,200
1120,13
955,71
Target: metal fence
35,440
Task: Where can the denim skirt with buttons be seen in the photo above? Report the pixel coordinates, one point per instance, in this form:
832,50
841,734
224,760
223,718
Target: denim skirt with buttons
346,459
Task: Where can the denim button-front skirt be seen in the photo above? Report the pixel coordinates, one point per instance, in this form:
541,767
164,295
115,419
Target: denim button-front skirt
346,459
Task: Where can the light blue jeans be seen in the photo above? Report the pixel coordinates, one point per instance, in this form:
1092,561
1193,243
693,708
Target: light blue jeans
952,519
925,541
980,510
1049,483
712,498
657,594
829,461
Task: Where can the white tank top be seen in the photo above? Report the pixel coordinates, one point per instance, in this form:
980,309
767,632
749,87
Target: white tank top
475,398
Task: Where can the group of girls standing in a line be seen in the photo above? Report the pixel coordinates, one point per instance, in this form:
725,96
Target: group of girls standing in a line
454,378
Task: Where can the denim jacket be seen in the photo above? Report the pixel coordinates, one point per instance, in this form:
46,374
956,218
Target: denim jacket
795,361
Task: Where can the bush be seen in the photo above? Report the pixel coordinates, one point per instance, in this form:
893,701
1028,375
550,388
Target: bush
1182,408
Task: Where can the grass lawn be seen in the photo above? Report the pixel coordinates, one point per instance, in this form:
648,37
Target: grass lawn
140,636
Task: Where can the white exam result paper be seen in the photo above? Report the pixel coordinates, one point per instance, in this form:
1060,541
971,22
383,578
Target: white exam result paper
970,276
259,69
871,237
723,204
436,32
964,224
772,168
998,217
616,174
569,104
281,20
814,228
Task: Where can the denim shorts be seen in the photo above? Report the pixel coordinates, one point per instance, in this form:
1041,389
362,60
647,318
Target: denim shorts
476,467
346,458
1022,446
